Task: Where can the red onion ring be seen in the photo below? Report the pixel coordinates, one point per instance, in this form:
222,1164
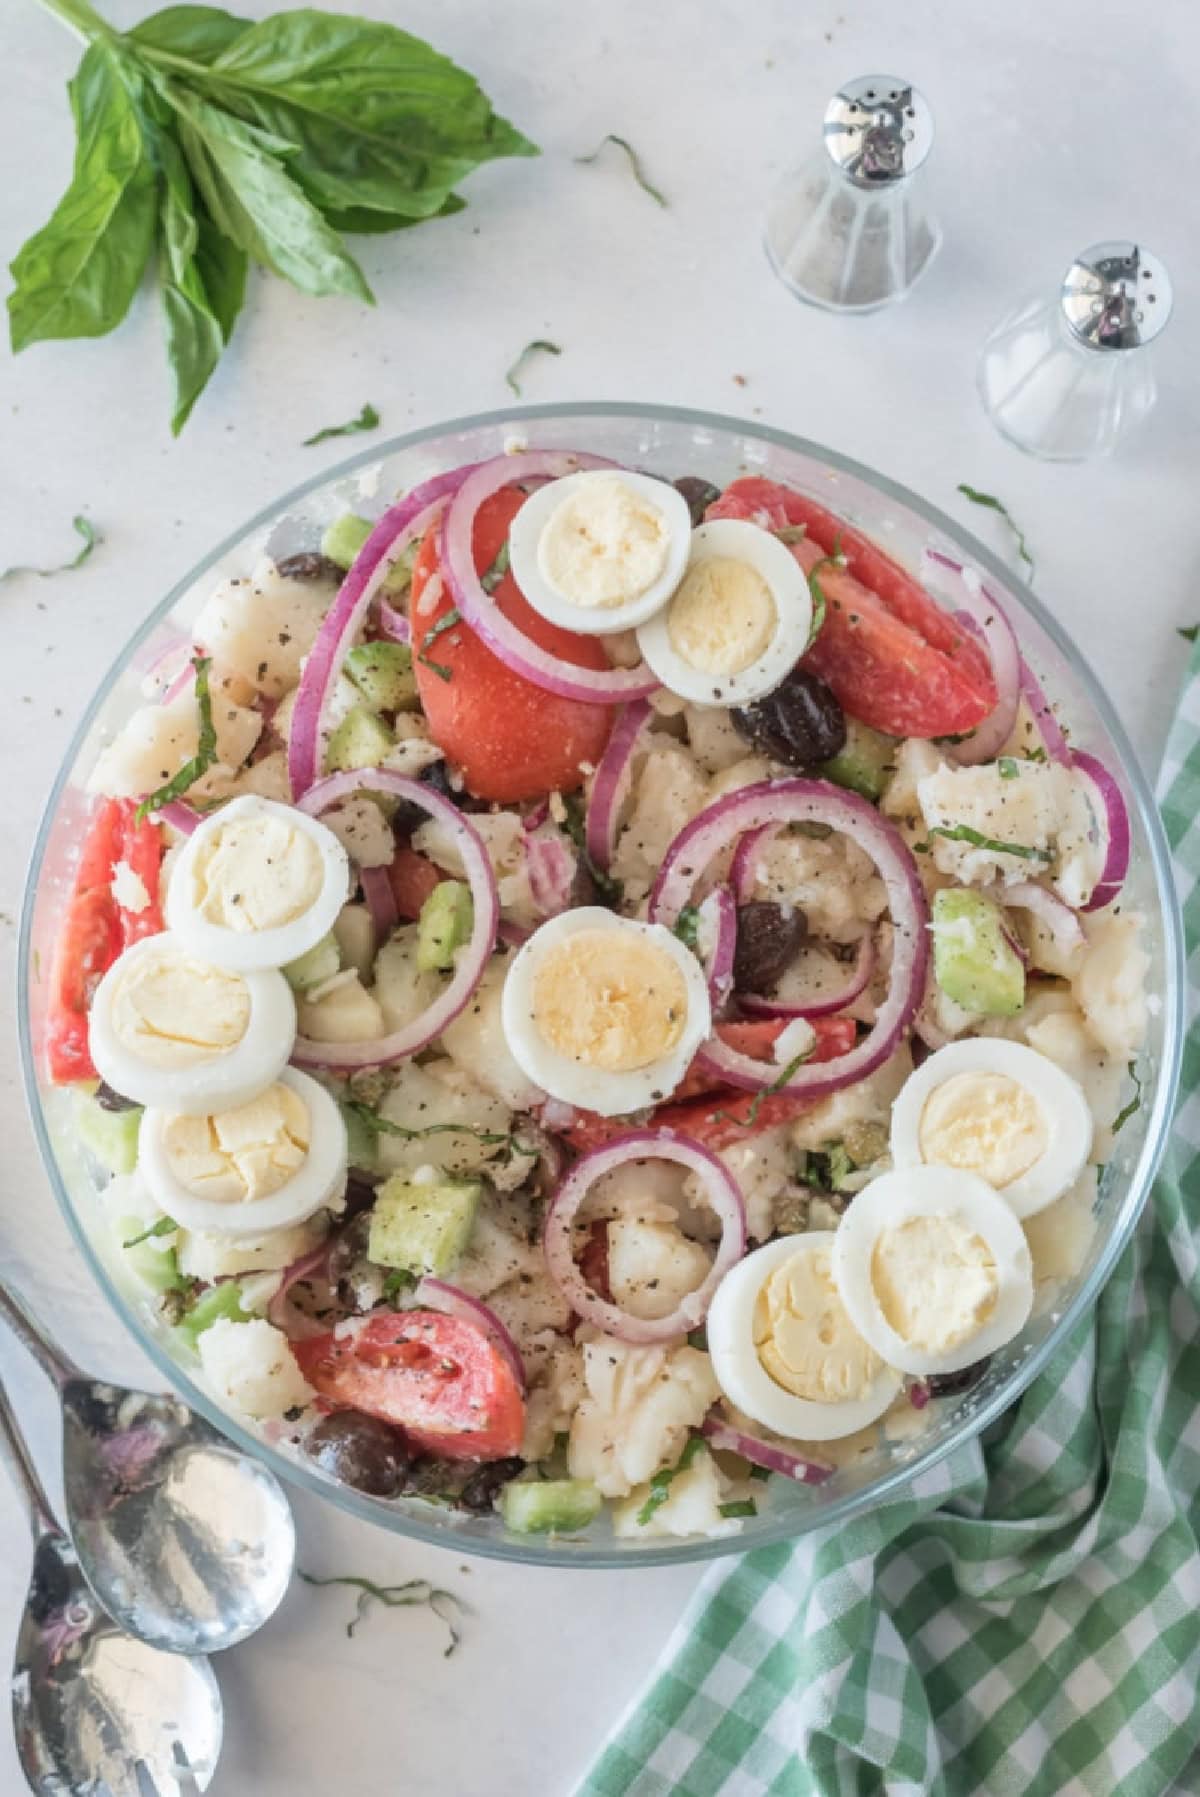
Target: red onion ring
742,870
1116,827
472,960
280,1311
514,934
435,1294
479,609
611,783
181,817
1045,722
918,1394
764,1453
551,869
718,920
178,683
393,624
857,981
810,801
381,901
400,524
643,1144
983,616
533,820
1048,908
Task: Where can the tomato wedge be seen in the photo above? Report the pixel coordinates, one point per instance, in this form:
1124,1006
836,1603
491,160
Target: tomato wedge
511,739
757,1037
412,877
893,657
436,1377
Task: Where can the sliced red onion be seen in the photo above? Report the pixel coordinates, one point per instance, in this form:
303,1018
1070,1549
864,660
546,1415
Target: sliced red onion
282,1312
982,615
1050,910
764,1453
780,802
471,961
435,1294
1017,946
642,1145
613,776
398,527
742,869
918,1394
717,940
514,934
394,625
457,556
551,869
381,901
179,683
533,820
1116,828
181,817
1045,722
858,978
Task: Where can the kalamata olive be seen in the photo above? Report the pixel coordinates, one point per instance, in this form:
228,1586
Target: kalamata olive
768,937
952,1385
361,1451
698,493
800,723
482,1488
309,564
111,1100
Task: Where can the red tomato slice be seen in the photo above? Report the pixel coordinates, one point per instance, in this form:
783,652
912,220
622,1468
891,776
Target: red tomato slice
892,656
141,849
412,877
511,739
436,1377
757,1036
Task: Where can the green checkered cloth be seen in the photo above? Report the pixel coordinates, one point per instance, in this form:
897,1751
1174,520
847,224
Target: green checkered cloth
1025,1621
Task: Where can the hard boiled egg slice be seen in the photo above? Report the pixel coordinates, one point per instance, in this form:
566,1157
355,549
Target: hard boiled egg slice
169,1029
257,885
264,1165
784,1349
738,622
1000,1110
601,551
604,1012
933,1269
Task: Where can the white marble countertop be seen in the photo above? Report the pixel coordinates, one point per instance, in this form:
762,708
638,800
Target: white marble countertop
1042,149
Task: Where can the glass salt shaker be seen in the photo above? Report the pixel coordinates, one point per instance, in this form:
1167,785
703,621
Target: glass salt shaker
847,228
1065,379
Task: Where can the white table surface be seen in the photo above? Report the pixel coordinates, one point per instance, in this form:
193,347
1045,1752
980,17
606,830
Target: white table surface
1043,148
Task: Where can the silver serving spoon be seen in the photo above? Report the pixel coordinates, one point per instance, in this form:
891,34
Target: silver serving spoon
187,1542
96,1713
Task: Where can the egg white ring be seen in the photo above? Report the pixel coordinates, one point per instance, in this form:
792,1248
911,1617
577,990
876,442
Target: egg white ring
1061,1100
611,1094
930,1191
736,539
229,1077
252,949
320,1181
744,1379
525,533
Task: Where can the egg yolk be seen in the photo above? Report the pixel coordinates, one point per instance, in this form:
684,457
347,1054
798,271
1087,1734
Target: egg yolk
609,1000
604,545
242,1154
723,617
257,874
804,1338
935,1281
172,1011
984,1123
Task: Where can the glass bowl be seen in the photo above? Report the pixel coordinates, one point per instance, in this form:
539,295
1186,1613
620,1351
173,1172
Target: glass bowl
671,442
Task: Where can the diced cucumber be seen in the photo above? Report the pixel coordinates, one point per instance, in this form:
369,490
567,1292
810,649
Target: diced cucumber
446,920
224,1300
864,763
345,537
383,674
112,1136
360,740
974,961
422,1228
148,1259
542,1506
313,968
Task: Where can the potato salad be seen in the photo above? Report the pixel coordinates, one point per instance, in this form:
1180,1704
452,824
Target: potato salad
590,997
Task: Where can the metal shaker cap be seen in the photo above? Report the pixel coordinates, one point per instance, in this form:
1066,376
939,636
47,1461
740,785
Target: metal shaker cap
878,129
1116,296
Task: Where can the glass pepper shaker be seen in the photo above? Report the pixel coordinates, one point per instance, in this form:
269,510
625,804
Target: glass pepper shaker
1065,379
847,228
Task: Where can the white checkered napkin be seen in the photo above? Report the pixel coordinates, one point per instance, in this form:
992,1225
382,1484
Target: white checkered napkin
1025,1620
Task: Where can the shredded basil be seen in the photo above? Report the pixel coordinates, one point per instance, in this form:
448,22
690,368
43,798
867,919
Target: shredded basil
1135,1103
83,528
760,1473
398,1283
445,1605
575,824
740,1507
164,1226
835,560
1189,632
687,927
383,1126
206,749
964,833
635,164
995,505
368,420
751,1117
660,1484
539,344
499,568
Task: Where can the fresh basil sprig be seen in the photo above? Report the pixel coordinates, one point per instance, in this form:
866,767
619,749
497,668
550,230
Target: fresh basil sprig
83,527
207,141
206,749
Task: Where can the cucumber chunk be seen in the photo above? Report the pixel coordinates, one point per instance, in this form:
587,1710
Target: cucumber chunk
422,1228
864,763
224,1300
315,966
974,962
383,674
360,740
111,1136
446,920
345,537
148,1259
540,1507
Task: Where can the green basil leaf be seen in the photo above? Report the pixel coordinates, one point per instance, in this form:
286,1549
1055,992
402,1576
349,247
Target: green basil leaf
256,204
363,221
367,420
202,277
77,276
194,33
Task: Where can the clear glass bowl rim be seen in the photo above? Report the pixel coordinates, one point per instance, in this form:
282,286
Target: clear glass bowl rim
775,1528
